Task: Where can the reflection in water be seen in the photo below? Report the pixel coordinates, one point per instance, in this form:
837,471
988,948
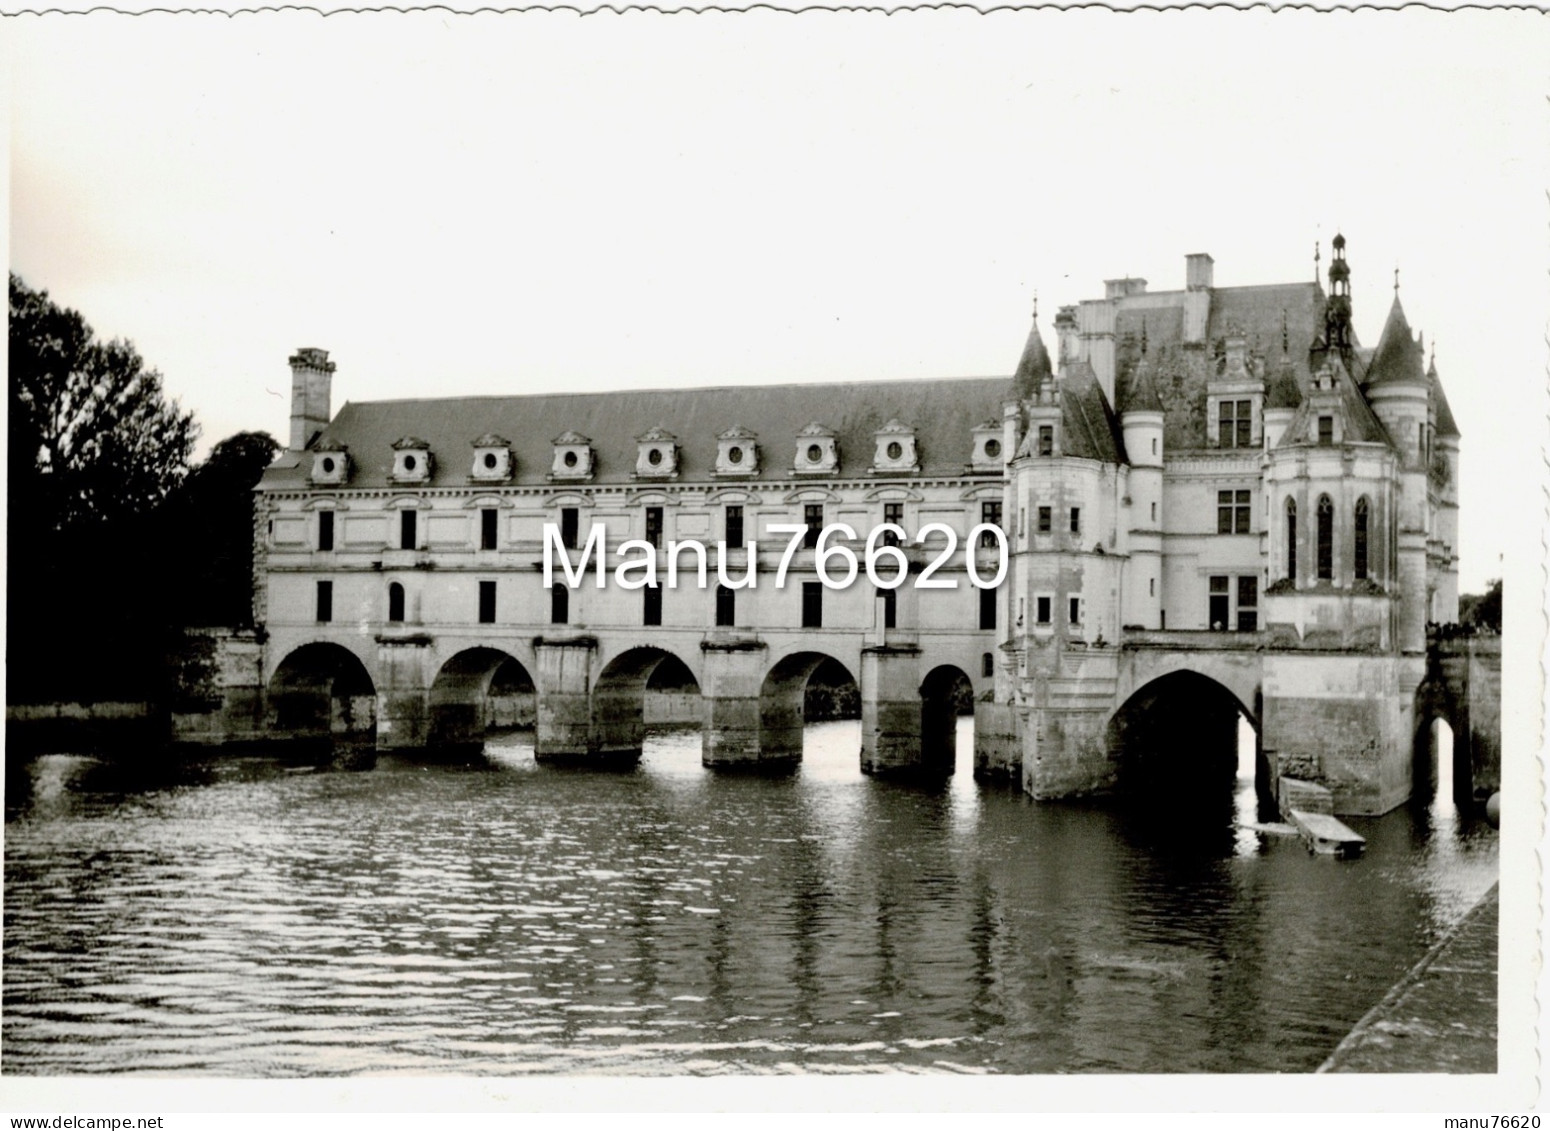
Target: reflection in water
258,916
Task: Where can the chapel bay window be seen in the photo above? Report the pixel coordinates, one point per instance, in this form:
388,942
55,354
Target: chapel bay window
1326,539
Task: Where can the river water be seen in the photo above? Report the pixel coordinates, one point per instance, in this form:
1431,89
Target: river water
273,917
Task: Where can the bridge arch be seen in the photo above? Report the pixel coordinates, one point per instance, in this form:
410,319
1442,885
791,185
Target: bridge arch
1173,742
1435,700
620,692
476,690
784,702
322,690
944,694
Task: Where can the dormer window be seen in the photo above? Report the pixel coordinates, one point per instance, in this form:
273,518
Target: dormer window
330,465
987,455
572,457
817,451
737,452
493,461
895,450
411,460
1326,431
656,455
1046,439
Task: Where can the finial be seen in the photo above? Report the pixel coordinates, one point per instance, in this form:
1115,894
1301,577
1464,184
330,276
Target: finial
1035,304
1143,335
1284,346
1317,256
1396,282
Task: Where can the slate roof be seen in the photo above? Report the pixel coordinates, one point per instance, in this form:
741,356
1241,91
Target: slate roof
943,414
1446,426
1089,428
1398,357
1033,367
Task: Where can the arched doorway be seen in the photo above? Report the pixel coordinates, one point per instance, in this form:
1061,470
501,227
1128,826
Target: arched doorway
1175,745
1441,773
476,691
619,697
946,694
323,691
802,688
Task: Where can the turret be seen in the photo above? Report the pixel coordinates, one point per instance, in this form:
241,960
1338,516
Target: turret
312,375
1141,419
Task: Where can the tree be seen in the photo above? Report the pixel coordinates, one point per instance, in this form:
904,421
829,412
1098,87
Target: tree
93,435
1483,611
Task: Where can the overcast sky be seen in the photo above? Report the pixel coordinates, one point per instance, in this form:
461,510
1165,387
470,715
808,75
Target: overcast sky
524,203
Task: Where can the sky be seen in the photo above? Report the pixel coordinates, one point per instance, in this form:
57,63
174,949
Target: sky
525,203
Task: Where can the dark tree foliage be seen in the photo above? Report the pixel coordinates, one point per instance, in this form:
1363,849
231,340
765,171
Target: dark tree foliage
1483,611
209,523
96,446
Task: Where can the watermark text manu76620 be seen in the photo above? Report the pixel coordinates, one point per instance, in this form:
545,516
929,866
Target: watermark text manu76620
884,559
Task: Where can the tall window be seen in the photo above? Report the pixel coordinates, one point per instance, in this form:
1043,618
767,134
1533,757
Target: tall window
1235,424
407,528
487,602
1232,512
987,608
395,602
1326,430
1073,610
1326,539
1359,542
894,513
489,519
1248,602
812,604
987,665
559,605
651,610
1041,609
1076,520
1221,603
325,530
325,601
1046,439
990,515
813,512
1291,539
734,526
726,607
1046,519
890,607
654,526
570,520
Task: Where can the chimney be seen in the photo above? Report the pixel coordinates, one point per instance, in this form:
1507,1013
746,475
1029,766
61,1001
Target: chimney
1197,272
1123,288
311,375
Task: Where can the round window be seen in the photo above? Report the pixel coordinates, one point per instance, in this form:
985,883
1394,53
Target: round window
654,456
814,453
895,450
734,455
490,461
409,464
992,449
328,466
570,459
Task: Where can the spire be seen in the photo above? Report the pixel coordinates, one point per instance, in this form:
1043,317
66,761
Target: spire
1033,368
1398,357
1141,390
1337,308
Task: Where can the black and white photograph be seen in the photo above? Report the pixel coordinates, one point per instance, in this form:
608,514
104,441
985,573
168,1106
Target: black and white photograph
985,558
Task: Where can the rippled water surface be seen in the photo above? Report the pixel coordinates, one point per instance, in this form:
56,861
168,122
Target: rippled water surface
271,917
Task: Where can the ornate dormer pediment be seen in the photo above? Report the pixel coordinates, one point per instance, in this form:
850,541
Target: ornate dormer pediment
817,451
895,454
656,455
411,460
737,452
988,452
493,461
572,457
330,464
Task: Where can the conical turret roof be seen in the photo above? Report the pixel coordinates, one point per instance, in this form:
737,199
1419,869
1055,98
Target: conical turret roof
1398,356
1141,392
1446,426
1283,390
1033,368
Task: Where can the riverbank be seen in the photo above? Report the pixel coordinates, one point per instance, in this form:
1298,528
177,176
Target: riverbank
1441,1016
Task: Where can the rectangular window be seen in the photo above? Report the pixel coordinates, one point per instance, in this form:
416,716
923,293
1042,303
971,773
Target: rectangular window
651,598
559,605
812,604
726,607
325,530
489,524
890,608
1046,439
1248,603
1235,424
734,526
1232,512
654,526
990,515
570,520
987,608
1041,609
987,665
487,602
1076,520
1046,519
1326,430
894,513
1074,611
1221,599
407,529
325,601
813,512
